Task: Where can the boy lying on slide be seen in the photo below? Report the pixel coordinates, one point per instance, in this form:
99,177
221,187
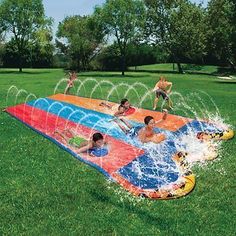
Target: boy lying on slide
123,109
145,134
97,141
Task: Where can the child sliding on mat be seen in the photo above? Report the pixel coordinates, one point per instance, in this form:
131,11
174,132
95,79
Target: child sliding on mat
124,108
145,134
70,137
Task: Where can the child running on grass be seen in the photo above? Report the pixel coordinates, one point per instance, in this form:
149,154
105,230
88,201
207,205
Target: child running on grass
70,83
145,134
71,138
160,89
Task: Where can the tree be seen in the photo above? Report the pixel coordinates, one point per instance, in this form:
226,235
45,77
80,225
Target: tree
82,37
41,48
234,30
2,48
108,59
221,31
23,19
178,26
143,54
36,55
123,20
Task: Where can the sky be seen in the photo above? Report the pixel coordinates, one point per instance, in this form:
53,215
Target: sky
58,10
62,8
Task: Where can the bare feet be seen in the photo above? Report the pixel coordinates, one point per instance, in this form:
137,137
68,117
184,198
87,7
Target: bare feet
103,104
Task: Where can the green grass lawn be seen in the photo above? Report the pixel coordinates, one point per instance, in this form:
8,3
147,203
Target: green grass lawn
45,191
173,67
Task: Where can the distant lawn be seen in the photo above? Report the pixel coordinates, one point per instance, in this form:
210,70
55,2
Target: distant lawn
45,191
173,67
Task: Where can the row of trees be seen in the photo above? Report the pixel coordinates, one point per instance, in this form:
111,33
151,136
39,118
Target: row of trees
121,33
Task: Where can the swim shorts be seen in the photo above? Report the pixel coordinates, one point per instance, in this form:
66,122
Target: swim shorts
160,92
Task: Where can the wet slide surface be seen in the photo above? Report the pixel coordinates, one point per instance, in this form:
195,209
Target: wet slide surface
128,163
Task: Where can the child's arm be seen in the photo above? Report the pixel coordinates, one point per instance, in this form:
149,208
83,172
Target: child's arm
142,137
106,141
170,86
120,112
165,113
84,147
155,138
156,87
145,139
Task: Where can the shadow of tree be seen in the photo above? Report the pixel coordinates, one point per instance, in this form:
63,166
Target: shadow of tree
192,69
23,72
108,74
225,82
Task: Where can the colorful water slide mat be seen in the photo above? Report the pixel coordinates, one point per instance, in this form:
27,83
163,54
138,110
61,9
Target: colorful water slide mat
158,173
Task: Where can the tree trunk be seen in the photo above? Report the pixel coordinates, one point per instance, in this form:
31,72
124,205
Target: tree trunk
180,69
20,64
232,65
123,64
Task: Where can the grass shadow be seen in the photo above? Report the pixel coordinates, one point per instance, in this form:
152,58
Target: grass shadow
225,71
129,208
155,71
105,75
225,82
24,72
192,70
171,72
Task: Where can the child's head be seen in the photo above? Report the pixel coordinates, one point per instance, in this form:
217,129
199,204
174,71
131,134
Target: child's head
162,78
149,121
98,139
125,103
72,75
